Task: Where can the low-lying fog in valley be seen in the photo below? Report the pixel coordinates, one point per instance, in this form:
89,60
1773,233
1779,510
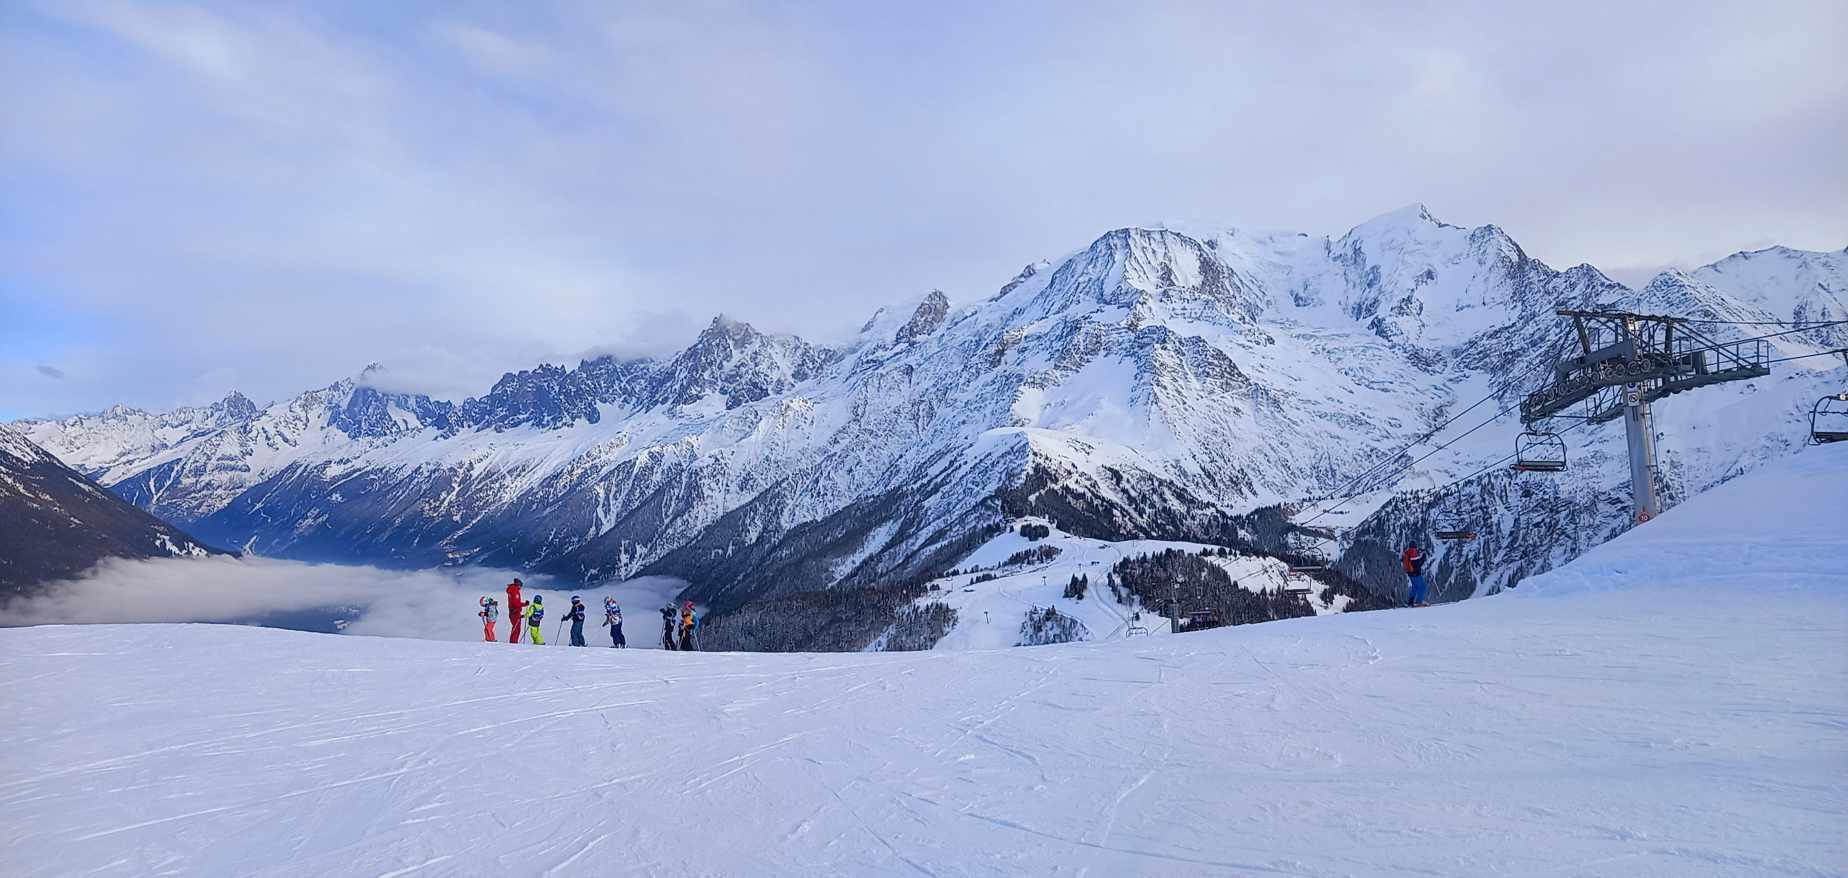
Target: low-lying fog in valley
432,604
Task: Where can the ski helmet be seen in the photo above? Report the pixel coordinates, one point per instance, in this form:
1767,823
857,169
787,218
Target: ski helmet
516,581
576,600
538,599
485,600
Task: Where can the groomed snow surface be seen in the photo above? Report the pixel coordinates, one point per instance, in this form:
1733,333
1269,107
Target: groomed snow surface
1675,703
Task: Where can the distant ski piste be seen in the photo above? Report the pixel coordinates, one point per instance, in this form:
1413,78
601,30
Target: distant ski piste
437,604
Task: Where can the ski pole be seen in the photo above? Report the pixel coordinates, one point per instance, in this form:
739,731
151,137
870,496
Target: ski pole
559,631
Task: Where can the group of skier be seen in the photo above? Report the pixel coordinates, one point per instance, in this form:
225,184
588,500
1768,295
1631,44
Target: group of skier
679,631
531,616
680,628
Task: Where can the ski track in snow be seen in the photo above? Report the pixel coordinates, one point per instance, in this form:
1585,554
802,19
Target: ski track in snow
1622,733
1657,708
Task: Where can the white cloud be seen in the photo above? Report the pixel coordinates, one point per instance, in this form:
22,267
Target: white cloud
289,193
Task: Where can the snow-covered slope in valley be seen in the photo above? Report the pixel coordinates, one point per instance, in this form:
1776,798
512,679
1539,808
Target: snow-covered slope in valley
1669,705
994,588
1154,383
55,522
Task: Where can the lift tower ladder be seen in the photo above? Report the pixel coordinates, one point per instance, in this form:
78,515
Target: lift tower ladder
1627,361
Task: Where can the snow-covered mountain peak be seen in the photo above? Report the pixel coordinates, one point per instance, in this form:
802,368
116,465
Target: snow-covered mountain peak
734,363
928,317
726,329
120,411
1148,274
234,408
1409,219
1799,285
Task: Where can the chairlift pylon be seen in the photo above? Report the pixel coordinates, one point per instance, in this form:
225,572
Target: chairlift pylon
1539,452
1829,419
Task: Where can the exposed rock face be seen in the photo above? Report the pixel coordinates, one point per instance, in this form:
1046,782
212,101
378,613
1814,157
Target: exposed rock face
927,319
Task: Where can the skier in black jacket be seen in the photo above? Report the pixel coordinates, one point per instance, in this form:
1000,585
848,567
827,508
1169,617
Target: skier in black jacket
576,615
667,627
612,619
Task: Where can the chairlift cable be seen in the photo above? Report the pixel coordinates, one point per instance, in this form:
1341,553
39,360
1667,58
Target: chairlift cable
1493,465
1735,341
1373,471
1800,323
1834,353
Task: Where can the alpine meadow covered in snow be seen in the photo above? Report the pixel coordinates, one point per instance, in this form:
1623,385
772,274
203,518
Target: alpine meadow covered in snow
841,439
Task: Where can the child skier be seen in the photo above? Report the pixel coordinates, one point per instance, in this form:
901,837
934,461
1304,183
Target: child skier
576,615
612,619
490,611
534,618
688,624
1413,562
515,611
667,625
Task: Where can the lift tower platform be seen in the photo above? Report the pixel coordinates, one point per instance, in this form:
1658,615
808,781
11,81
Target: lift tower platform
1627,361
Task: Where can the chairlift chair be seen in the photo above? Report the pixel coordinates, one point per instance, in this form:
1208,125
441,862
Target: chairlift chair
1452,524
1829,419
1536,452
1297,578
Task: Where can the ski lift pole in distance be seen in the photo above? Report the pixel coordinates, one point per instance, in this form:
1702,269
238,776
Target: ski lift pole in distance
1538,452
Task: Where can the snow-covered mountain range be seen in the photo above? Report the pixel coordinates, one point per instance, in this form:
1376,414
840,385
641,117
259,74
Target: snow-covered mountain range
1155,383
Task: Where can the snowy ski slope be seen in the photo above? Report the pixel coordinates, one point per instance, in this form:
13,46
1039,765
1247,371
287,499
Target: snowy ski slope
1675,703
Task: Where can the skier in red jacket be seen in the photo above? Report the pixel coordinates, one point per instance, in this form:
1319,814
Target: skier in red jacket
515,610
1413,561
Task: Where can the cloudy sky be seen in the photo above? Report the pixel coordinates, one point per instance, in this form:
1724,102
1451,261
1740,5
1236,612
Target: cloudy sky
196,197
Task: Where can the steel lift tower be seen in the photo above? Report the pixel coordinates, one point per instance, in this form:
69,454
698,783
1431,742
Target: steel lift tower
1627,361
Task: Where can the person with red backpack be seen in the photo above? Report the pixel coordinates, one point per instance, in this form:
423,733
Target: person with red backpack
1413,562
515,606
